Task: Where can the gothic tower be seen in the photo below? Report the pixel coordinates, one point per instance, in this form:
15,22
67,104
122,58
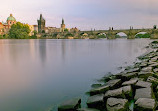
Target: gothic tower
41,24
62,26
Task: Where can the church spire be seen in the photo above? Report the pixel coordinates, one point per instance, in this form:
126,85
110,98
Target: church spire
62,21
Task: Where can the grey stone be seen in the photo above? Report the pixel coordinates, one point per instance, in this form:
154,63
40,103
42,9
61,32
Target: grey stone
132,81
155,70
119,75
115,93
143,84
145,104
132,70
96,85
99,90
127,91
154,65
87,109
114,83
143,65
149,63
129,75
143,93
145,75
70,105
114,104
96,101
153,80
146,69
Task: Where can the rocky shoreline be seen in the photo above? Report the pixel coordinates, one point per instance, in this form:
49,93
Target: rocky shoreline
134,89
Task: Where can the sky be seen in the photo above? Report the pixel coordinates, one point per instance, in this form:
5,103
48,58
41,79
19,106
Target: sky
84,14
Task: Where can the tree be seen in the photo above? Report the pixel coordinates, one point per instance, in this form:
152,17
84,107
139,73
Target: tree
66,30
19,31
154,27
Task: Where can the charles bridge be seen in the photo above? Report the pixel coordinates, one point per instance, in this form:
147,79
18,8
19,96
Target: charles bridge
110,34
131,33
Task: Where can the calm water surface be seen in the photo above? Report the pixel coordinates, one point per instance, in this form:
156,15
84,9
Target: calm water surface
37,75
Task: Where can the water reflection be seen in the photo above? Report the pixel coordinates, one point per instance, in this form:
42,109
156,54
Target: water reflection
36,75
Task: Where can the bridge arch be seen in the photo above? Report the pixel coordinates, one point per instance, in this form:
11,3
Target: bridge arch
121,35
142,34
101,35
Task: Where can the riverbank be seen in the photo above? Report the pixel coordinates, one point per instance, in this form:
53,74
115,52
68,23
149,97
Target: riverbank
135,88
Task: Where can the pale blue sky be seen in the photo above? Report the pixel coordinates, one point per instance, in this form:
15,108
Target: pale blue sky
84,14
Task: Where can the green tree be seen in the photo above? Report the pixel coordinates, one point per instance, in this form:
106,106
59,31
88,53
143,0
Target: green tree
19,31
66,30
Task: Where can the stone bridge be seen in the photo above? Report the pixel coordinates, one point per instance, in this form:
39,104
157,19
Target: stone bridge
131,33
110,34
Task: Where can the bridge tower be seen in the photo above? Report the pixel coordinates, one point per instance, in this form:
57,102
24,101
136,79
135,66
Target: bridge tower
111,34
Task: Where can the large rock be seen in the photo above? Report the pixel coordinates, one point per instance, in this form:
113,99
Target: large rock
132,81
143,64
128,76
145,75
146,69
154,59
143,84
145,104
144,93
115,93
99,90
96,101
114,83
132,70
87,109
153,80
127,92
150,63
70,105
155,70
154,65
114,104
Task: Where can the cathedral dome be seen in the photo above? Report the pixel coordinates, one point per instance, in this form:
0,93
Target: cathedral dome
11,18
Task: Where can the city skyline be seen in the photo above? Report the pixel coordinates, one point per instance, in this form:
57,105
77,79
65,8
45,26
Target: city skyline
120,14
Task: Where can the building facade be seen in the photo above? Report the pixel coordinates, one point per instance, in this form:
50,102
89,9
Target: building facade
62,29
5,26
41,24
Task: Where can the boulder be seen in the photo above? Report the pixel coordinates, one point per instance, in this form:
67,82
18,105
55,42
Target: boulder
70,105
150,63
119,75
154,65
143,84
115,93
127,92
132,70
144,93
145,104
114,83
155,70
87,109
96,101
114,104
128,76
96,85
154,58
153,80
146,69
132,81
144,64
145,75
99,90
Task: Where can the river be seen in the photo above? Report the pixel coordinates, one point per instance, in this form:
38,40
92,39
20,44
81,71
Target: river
37,75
